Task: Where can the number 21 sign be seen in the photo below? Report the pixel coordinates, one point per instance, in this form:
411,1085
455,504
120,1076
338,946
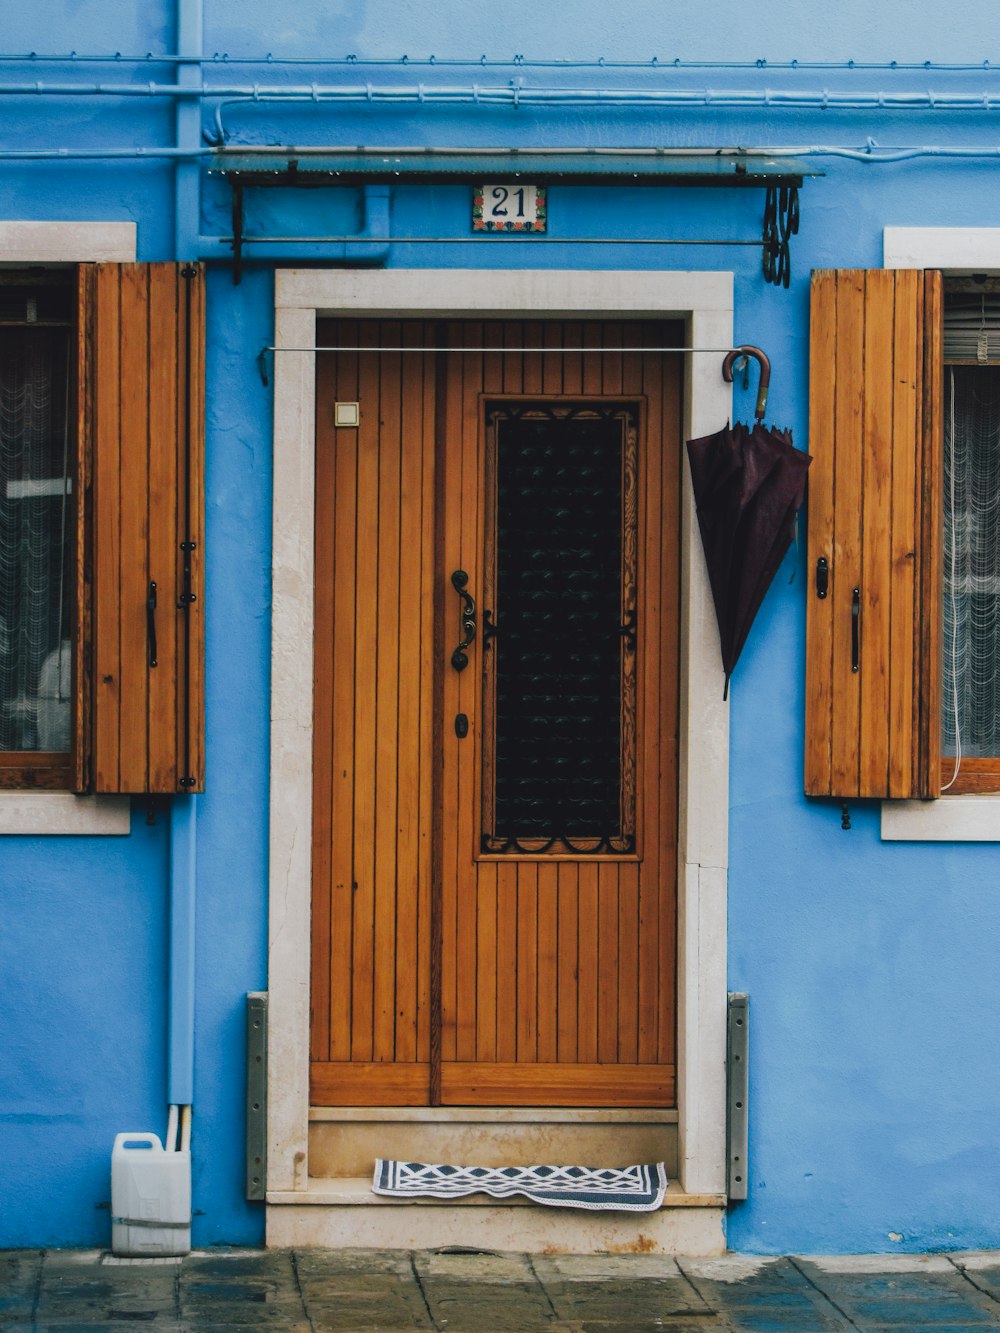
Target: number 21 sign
508,208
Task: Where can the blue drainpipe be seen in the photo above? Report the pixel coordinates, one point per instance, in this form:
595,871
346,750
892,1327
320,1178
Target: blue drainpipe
182,830
183,824
187,182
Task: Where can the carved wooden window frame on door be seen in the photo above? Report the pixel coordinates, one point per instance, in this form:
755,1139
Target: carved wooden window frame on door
622,842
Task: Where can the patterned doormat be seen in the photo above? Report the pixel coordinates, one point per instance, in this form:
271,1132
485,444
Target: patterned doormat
629,1189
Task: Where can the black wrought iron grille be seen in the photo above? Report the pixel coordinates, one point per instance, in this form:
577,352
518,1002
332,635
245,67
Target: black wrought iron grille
557,688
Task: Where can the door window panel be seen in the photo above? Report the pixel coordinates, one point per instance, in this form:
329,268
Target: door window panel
560,592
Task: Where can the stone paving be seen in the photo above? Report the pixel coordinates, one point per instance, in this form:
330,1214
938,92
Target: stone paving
363,1291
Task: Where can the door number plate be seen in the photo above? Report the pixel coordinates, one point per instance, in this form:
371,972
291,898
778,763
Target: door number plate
510,209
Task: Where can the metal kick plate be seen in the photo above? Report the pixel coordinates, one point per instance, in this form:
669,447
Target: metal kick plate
256,1095
738,1083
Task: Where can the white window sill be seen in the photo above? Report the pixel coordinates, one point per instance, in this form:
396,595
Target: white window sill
948,819
35,813
67,242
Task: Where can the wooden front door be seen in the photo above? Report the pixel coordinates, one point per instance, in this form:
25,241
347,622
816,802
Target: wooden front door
494,838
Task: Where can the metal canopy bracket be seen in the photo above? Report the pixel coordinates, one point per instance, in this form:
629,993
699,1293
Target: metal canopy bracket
781,222
237,187
315,168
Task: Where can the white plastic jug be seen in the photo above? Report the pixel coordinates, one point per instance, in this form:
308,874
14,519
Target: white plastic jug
150,1197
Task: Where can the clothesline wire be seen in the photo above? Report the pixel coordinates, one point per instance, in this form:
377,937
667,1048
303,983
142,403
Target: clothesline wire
507,351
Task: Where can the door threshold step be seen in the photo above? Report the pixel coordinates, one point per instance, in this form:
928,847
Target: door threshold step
356,1191
497,1115
342,1212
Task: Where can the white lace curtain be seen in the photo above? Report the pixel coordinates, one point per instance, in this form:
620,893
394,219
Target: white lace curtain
971,695
35,500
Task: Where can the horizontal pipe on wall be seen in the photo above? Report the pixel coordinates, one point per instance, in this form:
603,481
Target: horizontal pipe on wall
357,250
498,238
99,154
518,96
821,99
873,154
506,351
486,62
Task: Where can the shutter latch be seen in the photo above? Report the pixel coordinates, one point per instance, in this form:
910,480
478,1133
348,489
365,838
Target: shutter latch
822,577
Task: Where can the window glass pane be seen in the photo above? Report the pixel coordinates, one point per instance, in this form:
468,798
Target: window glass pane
561,682
35,538
970,709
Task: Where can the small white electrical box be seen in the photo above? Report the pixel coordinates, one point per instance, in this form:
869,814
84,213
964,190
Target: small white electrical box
150,1197
347,414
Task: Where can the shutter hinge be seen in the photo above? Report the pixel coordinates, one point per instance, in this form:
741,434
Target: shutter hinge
189,271
185,784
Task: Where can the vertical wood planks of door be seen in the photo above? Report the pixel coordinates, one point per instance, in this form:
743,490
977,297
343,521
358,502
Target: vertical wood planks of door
366,603
450,976
412,619
384,668
325,935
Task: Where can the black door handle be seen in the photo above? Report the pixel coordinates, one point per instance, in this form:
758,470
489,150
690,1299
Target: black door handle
460,658
855,628
151,623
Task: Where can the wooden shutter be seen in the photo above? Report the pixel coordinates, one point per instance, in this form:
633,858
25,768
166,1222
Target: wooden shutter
141,388
872,658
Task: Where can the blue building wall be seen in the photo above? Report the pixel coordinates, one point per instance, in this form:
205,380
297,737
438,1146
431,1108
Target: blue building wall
875,1071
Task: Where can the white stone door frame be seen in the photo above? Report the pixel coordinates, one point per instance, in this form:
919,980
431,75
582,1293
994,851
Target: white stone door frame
704,301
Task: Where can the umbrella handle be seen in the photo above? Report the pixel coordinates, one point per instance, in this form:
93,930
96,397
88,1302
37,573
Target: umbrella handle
765,373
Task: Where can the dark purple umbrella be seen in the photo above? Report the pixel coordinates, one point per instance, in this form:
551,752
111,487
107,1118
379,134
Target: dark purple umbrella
748,485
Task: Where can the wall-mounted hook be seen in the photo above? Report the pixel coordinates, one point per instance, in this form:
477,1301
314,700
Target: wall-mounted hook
765,373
